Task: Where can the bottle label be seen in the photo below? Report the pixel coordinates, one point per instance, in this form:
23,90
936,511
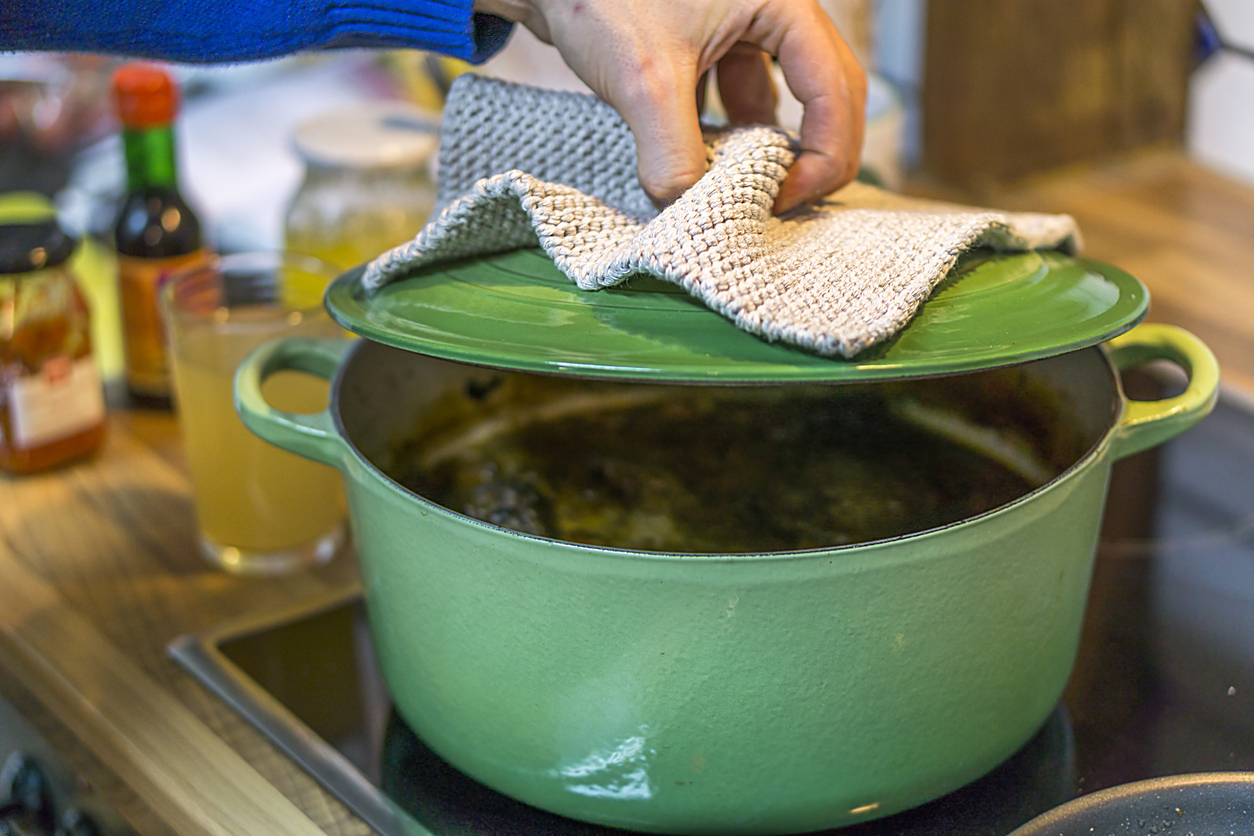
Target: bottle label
64,398
140,281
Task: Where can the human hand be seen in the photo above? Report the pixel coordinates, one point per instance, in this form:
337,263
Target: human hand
646,57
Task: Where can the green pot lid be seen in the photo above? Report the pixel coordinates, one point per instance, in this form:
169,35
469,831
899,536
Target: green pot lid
517,311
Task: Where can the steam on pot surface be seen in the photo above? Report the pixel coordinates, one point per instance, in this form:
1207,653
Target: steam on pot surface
714,470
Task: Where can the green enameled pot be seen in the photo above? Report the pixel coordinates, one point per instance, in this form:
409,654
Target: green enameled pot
765,693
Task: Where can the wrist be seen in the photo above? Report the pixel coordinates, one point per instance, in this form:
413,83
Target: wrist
512,10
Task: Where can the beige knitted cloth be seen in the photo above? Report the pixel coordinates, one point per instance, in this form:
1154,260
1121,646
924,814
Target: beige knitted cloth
521,166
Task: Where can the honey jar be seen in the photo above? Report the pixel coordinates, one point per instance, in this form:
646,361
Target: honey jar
51,402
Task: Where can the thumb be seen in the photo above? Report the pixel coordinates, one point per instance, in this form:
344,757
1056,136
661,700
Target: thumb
661,110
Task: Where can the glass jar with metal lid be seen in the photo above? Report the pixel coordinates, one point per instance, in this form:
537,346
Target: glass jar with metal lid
51,403
367,185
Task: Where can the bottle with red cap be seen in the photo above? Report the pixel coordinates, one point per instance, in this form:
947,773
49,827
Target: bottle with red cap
157,233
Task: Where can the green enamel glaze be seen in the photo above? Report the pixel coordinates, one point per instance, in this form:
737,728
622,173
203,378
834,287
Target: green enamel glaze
773,695
312,436
517,311
750,694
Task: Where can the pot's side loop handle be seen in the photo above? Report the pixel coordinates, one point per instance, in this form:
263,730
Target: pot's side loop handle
312,436
1146,424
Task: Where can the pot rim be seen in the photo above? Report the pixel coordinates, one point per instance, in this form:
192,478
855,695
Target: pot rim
1088,459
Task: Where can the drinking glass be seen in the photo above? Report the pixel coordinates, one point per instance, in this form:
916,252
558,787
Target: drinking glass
261,510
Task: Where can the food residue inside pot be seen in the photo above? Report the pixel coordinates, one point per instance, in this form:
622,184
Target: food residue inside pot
716,471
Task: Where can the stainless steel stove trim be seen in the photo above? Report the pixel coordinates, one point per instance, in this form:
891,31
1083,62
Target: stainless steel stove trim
200,656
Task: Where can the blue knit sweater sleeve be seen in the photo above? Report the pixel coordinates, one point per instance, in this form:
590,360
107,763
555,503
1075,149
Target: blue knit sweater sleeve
245,30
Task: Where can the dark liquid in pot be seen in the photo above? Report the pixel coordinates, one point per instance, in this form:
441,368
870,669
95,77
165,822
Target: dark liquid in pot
713,471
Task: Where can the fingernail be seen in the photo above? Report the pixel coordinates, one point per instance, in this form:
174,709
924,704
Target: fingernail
786,203
660,203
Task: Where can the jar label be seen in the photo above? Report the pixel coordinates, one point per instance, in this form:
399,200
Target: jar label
141,280
63,399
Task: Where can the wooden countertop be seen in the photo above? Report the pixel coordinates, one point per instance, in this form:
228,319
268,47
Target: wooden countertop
99,568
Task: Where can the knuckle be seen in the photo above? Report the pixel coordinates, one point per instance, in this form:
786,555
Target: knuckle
645,89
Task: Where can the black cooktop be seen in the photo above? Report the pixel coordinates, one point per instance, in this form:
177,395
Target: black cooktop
1164,682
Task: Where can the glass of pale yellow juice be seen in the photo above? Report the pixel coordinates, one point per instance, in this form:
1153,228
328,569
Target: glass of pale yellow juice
261,510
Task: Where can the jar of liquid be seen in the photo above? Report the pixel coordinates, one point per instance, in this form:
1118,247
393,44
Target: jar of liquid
367,187
51,403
